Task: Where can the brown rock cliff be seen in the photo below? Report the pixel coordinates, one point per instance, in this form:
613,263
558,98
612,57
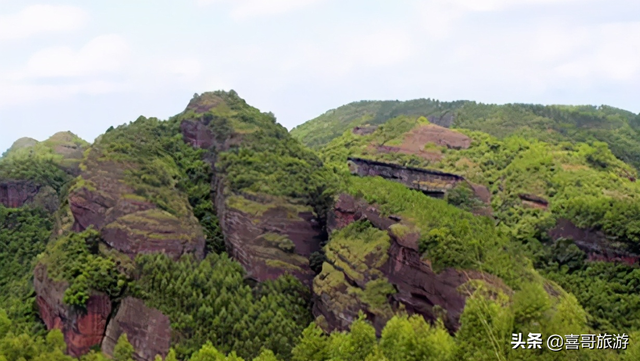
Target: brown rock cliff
147,329
82,329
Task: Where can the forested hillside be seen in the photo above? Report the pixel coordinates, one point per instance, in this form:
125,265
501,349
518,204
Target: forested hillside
618,128
411,231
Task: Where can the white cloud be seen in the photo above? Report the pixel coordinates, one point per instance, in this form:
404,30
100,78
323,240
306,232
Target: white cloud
382,48
244,9
28,93
441,17
107,53
184,68
38,19
611,53
62,72
494,5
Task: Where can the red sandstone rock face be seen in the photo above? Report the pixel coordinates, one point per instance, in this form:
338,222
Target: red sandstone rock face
246,234
17,193
14,194
246,239
419,289
433,182
82,330
147,329
126,222
594,243
197,134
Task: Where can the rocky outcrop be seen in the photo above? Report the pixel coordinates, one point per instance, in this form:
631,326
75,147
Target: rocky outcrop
197,133
443,120
269,236
14,194
82,329
147,329
425,141
432,182
420,136
127,222
533,201
364,130
418,289
422,291
594,243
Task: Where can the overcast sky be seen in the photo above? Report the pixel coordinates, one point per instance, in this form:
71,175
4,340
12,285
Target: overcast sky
86,65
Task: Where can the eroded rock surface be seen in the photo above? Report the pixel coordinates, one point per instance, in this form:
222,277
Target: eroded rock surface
147,329
127,222
82,330
594,243
269,236
429,181
14,194
339,288
364,130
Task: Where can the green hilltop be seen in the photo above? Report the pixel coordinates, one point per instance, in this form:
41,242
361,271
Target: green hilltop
186,214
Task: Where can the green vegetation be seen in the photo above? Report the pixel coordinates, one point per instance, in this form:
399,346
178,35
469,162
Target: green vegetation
209,301
541,164
553,124
75,258
22,346
321,130
558,123
164,170
268,160
46,163
392,132
24,234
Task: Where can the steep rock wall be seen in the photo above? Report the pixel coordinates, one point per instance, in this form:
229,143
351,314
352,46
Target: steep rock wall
82,329
260,240
14,194
594,243
147,329
419,289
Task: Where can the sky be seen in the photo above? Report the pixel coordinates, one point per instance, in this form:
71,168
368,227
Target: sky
85,65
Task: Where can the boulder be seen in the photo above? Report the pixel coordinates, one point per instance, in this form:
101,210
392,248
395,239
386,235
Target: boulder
147,329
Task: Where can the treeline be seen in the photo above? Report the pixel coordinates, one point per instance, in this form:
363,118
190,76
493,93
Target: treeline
211,301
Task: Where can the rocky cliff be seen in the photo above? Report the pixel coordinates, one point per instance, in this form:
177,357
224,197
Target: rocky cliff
82,329
431,182
103,198
268,235
147,329
344,287
14,194
594,243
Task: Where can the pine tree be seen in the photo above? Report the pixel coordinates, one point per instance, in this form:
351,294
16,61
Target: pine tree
123,350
